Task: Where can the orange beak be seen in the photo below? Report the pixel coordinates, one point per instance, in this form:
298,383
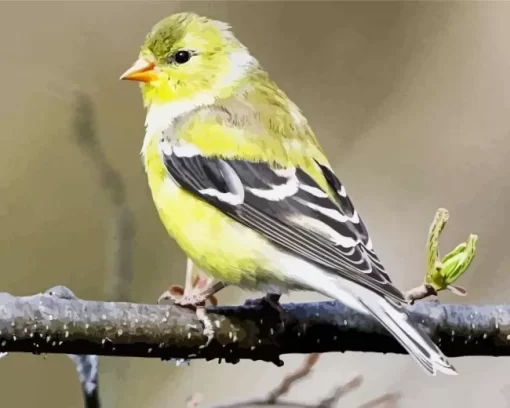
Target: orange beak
142,70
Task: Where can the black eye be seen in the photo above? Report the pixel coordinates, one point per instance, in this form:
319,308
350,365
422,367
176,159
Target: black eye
182,57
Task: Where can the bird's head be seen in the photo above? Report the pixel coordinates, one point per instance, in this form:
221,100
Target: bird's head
186,55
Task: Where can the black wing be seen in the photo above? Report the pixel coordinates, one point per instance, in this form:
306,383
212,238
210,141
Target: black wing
288,207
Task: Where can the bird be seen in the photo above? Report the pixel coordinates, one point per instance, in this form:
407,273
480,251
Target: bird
241,183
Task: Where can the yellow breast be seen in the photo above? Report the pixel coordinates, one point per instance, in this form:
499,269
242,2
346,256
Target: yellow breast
221,247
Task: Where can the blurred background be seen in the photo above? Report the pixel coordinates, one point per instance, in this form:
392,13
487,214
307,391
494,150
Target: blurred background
410,99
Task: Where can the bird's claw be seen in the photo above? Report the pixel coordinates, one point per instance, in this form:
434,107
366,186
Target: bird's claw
208,325
167,295
195,302
198,291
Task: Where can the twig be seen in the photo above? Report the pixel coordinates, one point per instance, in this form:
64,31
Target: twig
388,400
289,380
274,398
339,392
420,292
112,183
87,368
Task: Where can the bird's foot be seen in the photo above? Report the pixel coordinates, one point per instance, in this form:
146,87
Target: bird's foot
207,323
197,296
195,300
199,290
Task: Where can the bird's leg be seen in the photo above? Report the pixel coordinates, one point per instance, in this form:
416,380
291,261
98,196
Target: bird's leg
198,289
188,282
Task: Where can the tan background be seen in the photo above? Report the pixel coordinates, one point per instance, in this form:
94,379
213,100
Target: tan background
411,100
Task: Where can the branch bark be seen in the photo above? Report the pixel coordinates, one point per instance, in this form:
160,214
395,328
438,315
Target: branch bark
46,324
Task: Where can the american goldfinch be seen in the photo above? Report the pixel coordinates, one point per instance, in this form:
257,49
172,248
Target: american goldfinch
243,186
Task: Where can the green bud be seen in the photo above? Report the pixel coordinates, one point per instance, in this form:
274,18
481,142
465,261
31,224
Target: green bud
442,273
457,261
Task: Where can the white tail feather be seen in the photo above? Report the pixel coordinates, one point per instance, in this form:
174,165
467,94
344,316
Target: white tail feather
417,343
390,315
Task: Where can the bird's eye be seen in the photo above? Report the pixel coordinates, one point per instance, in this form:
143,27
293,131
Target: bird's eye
181,57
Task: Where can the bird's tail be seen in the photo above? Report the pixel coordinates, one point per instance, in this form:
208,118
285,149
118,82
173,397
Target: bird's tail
391,315
414,340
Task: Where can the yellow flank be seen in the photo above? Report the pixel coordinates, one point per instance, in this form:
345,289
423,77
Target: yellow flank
223,248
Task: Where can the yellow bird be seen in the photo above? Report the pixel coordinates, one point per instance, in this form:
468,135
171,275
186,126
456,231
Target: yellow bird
242,185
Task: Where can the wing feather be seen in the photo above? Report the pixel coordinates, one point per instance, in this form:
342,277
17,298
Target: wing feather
289,208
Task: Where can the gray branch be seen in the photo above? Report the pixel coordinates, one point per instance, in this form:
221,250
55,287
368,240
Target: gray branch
87,365
46,324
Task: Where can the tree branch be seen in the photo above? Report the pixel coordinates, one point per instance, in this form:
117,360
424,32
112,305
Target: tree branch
46,324
87,366
88,370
